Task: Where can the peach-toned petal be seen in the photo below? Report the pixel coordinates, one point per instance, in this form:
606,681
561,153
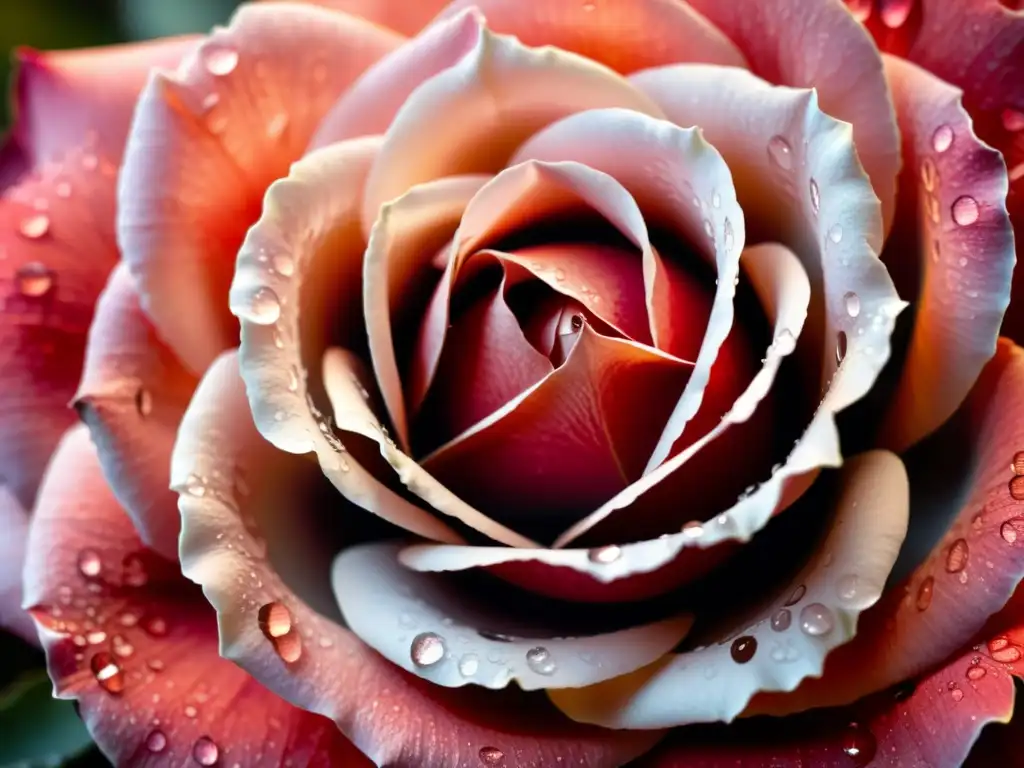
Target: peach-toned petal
132,396
967,575
787,640
490,643
820,45
314,662
405,17
298,274
625,35
135,644
957,227
206,142
14,524
472,116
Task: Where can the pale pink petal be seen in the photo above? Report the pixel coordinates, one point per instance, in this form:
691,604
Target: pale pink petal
776,650
14,524
822,46
135,645
625,35
472,116
313,661
405,17
955,243
299,273
206,142
132,396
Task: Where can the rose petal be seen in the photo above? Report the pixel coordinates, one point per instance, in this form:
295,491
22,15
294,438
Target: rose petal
965,246
369,106
822,604
14,523
470,117
822,47
136,645
626,145
569,442
240,110
625,35
408,617
309,237
335,674
407,18
650,567
132,396
966,577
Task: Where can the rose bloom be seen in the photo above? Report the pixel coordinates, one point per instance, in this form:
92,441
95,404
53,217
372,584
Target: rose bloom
620,382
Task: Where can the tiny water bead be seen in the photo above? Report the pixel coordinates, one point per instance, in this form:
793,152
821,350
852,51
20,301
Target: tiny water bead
277,125
143,402
275,620
976,672
859,744
924,593
264,307
427,649
929,176
107,672
205,751
942,138
815,196
539,659
816,620
604,555
1003,652
1017,487
796,595
693,530
780,153
781,620
956,558
835,233
1012,530
1017,465
156,741
33,279
957,694
89,563
220,59
852,302
841,342
133,571
35,227
743,649
965,210
283,264
492,757
469,665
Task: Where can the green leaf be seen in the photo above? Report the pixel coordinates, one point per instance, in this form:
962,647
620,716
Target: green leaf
38,730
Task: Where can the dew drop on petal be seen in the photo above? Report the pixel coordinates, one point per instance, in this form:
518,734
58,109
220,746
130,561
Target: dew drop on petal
728,236
942,138
283,264
33,279
107,672
277,125
288,647
975,673
89,563
427,649
841,342
143,402
693,530
539,659
219,59
895,13
154,626
469,664
815,196
743,649
965,210
1017,465
781,620
956,558
1017,487
848,588
133,571
835,233
796,596
492,757
709,228
859,744
924,593
929,176
957,694
861,9
1007,654
275,620
604,555
35,227
1012,530
780,153
156,741
852,302
816,620
264,307
205,751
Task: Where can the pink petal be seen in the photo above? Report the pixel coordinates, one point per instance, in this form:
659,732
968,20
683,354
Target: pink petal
470,117
957,227
309,237
56,232
822,603
136,645
132,396
822,47
570,442
625,35
206,142
369,106
14,524
334,673
966,577
407,18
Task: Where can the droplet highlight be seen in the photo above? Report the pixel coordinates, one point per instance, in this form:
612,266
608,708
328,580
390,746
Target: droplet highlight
743,649
539,660
924,593
35,227
33,280
89,563
957,556
852,303
107,672
427,649
859,744
965,210
492,757
605,555
780,153
942,138
815,194
816,620
205,751
781,620
156,742
219,59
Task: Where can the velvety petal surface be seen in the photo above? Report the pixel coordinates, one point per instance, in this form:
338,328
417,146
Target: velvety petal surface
132,396
407,18
206,142
953,192
14,523
136,645
820,45
786,640
313,661
299,273
968,576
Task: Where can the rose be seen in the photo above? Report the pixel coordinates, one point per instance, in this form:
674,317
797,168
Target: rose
115,618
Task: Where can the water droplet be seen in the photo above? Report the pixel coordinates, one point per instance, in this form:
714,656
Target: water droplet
133,571
288,646
931,204
859,744
743,649
929,175
33,279
156,741
815,196
205,751
35,227
96,636
816,620
576,323
956,558
728,236
716,200
1013,120
835,233
559,274
1011,530
965,210
1005,654
841,343
849,588
143,402
781,620
895,13
852,301
194,486
154,626
780,153
1017,487
121,647
277,125
709,228
796,596
107,672
220,59
191,712
1017,465
427,649
283,264
942,139
693,530
976,672
275,620
492,757
469,664
539,659
924,593
264,307
89,563
604,555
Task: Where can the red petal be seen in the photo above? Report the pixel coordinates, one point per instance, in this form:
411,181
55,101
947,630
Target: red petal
132,397
136,645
